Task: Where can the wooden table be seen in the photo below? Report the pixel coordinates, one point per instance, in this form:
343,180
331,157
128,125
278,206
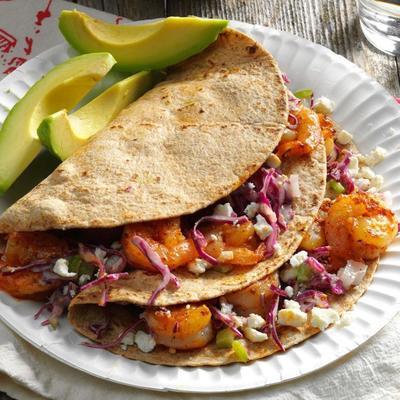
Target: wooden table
332,23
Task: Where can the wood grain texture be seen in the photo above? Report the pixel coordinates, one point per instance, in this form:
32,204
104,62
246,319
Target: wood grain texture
332,23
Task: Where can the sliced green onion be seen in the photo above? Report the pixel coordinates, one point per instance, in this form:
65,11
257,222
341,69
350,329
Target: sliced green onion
304,273
240,351
224,338
336,186
303,93
77,265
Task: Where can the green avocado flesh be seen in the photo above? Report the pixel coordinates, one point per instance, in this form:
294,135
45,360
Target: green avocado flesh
63,134
141,47
61,88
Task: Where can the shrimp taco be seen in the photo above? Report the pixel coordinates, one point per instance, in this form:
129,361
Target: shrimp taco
179,199
318,285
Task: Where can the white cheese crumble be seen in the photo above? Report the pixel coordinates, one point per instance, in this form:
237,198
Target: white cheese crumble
291,305
363,184
346,319
251,185
262,227
375,156
289,291
144,341
377,182
255,321
298,258
84,279
226,256
198,266
213,237
254,335
251,210
353,166
226,308
61,268
129,339
321,318
324,105
292,317
366,172
239,321
343,137
223,210
288,273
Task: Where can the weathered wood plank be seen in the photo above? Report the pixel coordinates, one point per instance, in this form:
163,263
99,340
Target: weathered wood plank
332,23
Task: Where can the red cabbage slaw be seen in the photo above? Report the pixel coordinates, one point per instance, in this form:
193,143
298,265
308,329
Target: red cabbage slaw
339,170
118,340
156,262
271,317
312,298
226,319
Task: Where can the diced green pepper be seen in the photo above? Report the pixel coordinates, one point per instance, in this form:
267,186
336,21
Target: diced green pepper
240,351
304,273
224,338
77,265
303,93
336,186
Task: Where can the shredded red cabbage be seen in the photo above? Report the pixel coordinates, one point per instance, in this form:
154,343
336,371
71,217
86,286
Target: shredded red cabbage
201,242
293,122
339,171
285,78
104,278
272,314
226,319
278,291
312,298
323,280
100,328
117,341
88,255
157,263
320,252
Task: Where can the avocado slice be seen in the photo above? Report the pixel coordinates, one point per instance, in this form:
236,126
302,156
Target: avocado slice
63,134
141,47
62,87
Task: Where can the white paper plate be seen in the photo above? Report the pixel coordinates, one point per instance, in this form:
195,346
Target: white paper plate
365,109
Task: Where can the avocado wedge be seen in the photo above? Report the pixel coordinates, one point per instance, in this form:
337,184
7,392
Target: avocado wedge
141,47
63,134
62,87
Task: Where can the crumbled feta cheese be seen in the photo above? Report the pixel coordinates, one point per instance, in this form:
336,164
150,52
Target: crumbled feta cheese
291,305
343,137
61,268
226,256
213,237
144,341
224,210
292,317
83,279
353,166
363,184
324,105
100,253
321,318
255,321
239,321
273,161
375,156
346,319
262,227
254,335
377,181
226,308
298,258
129,339
198,266
187,307
366,172
251,185
251,210
289,291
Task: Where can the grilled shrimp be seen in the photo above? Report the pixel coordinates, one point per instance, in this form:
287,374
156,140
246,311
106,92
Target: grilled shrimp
166,239
239,242
250,299
359,227
181,327
24,248
308,132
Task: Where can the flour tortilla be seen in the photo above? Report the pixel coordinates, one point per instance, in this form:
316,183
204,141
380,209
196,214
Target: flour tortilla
188,142
137,289
82,315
